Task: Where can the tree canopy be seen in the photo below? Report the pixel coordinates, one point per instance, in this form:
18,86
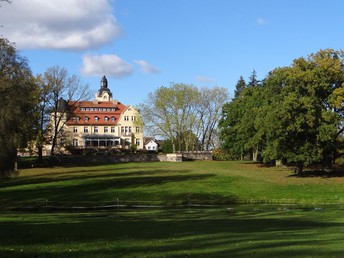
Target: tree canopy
295,114
18,99
184,114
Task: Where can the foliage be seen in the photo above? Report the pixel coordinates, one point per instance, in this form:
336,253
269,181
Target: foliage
166,146
296,114
239,87
238,131
181,112
18,99
209,113
223,154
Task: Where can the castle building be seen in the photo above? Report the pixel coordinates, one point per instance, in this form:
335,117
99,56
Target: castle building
103,123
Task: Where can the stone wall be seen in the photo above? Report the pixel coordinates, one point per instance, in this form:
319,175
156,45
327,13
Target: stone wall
173,157
197,155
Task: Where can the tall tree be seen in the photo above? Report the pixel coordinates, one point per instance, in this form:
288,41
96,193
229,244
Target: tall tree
253,81
59,92
239,87
209,112
18,100
237,124
43,114
302,115
169,112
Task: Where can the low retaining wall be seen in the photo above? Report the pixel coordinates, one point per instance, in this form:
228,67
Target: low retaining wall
172,157
197,155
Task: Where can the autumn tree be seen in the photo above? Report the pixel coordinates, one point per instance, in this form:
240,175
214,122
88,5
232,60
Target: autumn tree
18,102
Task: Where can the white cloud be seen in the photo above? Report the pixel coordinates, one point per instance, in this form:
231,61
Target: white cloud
261,21
147,67
203,79
63,24
111,65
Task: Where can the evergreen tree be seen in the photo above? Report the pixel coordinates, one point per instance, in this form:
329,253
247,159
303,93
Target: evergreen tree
253,80
239,87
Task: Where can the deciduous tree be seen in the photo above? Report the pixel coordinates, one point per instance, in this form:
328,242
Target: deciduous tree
18,100
58,89
169,112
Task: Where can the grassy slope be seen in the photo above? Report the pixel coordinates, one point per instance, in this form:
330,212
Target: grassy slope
167,183
174,233
245,231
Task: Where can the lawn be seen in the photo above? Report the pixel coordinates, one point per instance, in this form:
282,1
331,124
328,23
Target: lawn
199,182
197,209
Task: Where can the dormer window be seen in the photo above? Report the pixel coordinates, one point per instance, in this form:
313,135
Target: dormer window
75,119
113,119
86,119
106,119
96,118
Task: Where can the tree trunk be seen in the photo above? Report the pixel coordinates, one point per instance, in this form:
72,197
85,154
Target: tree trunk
279,163
53,145
40,154
299,167
255,154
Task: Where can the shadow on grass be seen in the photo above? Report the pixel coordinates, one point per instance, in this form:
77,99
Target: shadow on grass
319,173
90,188
170,233
94,172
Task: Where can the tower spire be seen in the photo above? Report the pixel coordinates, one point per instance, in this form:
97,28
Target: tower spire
104,82
104,93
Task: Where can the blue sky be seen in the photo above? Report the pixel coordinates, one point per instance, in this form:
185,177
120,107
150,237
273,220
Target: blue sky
144,44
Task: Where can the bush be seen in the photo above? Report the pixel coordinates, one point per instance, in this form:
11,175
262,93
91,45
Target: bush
220,154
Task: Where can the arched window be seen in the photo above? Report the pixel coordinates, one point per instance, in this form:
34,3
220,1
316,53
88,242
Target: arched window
113,119
96,118
106,119
86,119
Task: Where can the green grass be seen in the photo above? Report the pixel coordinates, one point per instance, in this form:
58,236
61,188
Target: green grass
167,184
257,211
174,233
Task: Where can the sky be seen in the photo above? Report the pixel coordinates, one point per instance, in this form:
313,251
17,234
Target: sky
141,45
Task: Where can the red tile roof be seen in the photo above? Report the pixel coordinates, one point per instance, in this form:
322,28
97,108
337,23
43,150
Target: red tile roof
81,110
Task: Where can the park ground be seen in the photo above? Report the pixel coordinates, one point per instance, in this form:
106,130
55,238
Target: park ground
188,209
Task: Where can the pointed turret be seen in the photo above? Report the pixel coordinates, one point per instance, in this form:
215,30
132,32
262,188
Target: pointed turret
104,93
103,82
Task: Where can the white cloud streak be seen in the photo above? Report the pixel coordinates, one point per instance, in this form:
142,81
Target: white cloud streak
147,67
63,24
200,78
111,65
261,21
